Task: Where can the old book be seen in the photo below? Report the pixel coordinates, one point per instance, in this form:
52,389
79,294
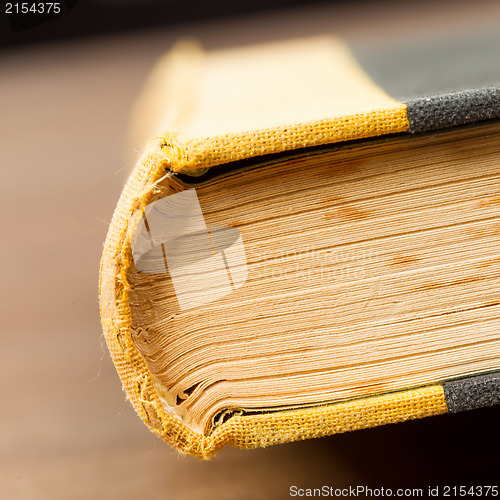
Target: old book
305,248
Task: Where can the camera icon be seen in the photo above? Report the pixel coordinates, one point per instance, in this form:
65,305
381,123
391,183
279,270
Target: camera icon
205,263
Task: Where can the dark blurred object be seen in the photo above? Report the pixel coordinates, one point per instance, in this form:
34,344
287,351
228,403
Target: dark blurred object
98,17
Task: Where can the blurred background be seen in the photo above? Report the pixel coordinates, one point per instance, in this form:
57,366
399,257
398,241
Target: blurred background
66,431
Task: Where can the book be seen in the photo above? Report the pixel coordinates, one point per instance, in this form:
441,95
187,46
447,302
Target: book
309,243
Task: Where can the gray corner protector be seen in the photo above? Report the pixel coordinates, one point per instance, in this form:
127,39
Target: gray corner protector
453,109
472,392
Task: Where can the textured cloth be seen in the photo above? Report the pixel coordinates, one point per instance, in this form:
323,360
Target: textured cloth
443,82
448,110
472,392
261,100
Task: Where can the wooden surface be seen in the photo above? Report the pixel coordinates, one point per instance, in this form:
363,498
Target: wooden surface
66,430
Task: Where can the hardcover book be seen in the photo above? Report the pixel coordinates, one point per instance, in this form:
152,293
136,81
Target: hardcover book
310,241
